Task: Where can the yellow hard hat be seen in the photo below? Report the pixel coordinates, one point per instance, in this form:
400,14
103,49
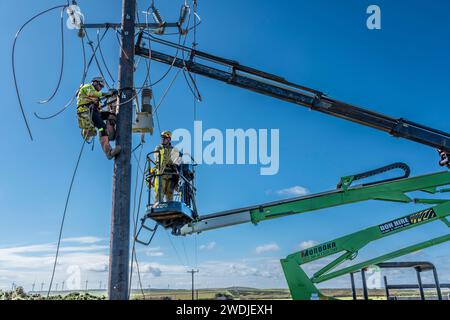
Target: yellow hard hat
166,134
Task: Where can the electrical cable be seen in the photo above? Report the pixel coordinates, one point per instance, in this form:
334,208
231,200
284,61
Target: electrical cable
103,58
14,64
194,47
174,248
61,72
91,45
136,219
64,217
83,79
196,94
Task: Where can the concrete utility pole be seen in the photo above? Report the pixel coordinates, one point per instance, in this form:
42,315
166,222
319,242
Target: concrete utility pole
192,272
120,224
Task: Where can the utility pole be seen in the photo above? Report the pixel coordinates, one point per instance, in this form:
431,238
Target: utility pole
32,286
192,272
42,286
120,223
62,287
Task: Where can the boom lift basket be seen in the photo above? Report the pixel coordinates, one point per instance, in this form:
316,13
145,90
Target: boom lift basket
171,214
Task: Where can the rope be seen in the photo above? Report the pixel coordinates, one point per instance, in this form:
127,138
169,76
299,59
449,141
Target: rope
64,217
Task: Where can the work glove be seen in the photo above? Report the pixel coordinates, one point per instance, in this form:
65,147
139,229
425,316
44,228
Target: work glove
111,93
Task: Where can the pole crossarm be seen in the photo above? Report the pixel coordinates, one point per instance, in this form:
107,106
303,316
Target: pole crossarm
302,286
141,26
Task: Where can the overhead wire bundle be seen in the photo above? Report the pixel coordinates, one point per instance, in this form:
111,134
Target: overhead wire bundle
13,55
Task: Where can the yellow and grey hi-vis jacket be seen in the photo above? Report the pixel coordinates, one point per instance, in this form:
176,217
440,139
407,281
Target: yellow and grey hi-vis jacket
87,95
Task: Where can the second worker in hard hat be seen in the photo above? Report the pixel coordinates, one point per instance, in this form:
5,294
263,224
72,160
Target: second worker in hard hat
90,117
167,159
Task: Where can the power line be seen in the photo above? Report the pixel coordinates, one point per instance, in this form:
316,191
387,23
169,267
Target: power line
62,62
103,58
14,64
64,216
192,272
87,66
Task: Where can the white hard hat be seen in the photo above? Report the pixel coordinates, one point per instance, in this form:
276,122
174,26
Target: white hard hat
99,80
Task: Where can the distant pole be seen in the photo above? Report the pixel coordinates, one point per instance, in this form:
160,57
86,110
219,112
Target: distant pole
120,225
192,272
100,284
42,286
366,292
32,286
56,287
86,288
62,287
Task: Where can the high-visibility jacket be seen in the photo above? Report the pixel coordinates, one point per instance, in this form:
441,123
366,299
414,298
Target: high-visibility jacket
87,95
167,157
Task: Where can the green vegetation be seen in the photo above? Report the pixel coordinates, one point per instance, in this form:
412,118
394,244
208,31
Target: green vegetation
20,294
234,293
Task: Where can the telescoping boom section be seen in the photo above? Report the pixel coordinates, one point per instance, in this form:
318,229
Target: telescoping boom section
395,190
233,73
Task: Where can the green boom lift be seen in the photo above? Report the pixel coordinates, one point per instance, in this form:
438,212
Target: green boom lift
300,285
182,218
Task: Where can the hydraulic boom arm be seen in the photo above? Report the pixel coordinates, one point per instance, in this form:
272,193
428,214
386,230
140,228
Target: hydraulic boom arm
277,87
388,190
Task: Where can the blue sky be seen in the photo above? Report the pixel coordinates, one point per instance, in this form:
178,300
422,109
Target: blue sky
401,70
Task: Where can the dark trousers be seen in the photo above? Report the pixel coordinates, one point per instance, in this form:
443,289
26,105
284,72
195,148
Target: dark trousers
98,119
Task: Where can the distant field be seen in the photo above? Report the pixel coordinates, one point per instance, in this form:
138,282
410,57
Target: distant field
252,294
277,294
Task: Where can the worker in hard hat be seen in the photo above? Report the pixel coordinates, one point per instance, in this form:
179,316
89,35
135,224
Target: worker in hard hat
167,158
90,117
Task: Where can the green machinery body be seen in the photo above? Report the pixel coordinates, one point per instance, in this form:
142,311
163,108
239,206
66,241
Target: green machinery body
393,190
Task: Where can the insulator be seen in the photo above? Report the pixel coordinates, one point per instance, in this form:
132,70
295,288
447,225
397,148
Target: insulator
183,14
81,33
147,95
157,16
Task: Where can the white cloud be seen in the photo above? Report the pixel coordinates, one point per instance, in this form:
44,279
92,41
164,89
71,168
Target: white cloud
307,244
83,240
270,247
209,246
154,252
293,191
153,271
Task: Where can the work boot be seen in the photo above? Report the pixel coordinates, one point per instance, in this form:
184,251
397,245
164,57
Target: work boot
114,152
110,152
